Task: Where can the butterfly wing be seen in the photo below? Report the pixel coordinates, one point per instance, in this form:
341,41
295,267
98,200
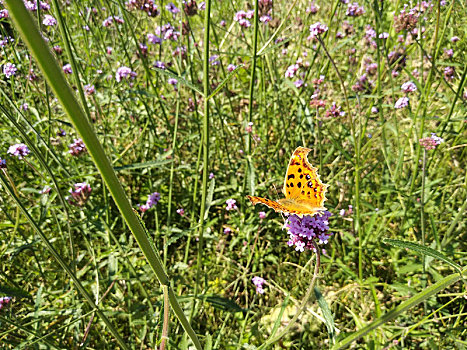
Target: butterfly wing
302,184
286,206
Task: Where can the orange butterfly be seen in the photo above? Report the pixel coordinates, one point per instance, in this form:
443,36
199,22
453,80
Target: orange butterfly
304,192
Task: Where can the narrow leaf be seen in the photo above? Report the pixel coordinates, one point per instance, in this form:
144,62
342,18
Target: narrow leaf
180,79
223,82
329,320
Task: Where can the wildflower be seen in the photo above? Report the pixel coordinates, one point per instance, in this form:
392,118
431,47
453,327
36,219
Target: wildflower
19,150
409,87
374,110
449,53
173,82
449,73
4,13
303,231
355,10
6,40
154,39
249,127
265,19
108,49
211,176
2,163
334,111
77,148
4,301
79,195
258,282
431,142
152,200
291,70
214,60
89,89
402,103
405,20
202,6
231,204
9,69
227,230
124,72
172,8
317,29
61,132
67,69
383,35
181,211
222,23
371,68
299,83
49,21
231,67
455,39
167,32
313,9
190,7
339,35
262,215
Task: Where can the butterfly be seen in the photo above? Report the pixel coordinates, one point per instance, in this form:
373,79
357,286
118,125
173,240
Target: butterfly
304,192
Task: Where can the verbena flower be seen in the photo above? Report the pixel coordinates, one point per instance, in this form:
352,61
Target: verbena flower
49,21
172,8
19,150
152,200
67,69
334,111
181,211
77,147
303,231
354,10
231,204
409,87
317,29
89,89
231,67
9,69
431,142
211,176
262,215
2,163
258,282
124,73
79,195
4,301
291,70
401,103
173,82
154,39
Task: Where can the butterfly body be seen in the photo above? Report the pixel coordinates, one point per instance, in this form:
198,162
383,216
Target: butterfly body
303,190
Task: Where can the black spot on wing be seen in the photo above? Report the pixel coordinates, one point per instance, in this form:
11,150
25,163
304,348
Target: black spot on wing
291,176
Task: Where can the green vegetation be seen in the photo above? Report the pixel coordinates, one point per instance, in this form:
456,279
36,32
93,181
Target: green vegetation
133,134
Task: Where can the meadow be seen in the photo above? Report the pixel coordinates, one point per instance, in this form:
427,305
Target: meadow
133,132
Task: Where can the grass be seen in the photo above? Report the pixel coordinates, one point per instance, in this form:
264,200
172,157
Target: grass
106,274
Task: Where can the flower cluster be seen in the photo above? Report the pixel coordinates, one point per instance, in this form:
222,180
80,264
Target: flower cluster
4,301
19,150
231,204
334,111
354,10
317,29
77,147
124,73
9,69
431,142
167,32
153,199
303,231
147,6
409,87
401,103
79,195
243,17
49,21
109,21
258,282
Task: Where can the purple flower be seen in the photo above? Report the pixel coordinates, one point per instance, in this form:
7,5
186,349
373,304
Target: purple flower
449,73
265,19
4,13
4,301
77,148
355,10
374,110
262,215
455,39
409,87
299,83
67,69
9,69
167,32
231,204
2,163
49,21
79,195
334,111
6,40
384,35
402,103
89,89
258,282
124,73
152,200
173,82
181,211
317,29
154,39
159,64
202,6
214,60
291,70
211,176
227,230
449,53
303,231
231,67
172,8
19,150
61,132
108,50
431,142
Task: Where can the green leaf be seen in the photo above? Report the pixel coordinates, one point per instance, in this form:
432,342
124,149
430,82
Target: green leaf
223,303
329,320
423,250
154,163
14,292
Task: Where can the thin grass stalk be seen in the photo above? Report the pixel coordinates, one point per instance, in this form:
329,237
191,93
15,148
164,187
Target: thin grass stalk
205,140
303,304
252,74
48,65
